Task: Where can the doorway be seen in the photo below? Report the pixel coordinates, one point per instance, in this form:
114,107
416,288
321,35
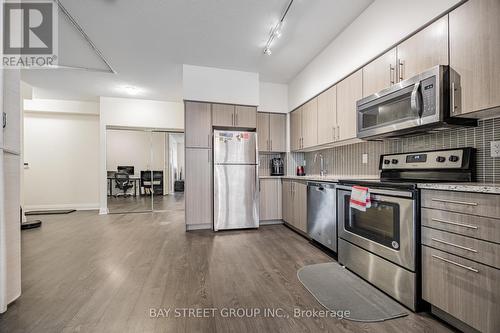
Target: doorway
141,168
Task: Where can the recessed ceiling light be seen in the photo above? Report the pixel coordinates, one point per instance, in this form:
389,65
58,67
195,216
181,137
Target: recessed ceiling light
130,90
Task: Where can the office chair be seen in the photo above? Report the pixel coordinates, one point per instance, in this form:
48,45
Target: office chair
122,181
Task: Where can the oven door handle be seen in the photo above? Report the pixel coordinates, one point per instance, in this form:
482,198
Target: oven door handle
416,100
393,193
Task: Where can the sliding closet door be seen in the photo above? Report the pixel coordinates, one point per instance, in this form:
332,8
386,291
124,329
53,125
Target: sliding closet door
129,170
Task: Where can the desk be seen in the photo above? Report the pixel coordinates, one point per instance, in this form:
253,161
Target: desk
135,179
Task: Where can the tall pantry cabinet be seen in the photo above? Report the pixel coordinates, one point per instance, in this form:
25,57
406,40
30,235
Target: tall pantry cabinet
10,186
198,155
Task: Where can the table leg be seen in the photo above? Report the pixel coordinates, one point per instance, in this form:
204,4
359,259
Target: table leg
135,188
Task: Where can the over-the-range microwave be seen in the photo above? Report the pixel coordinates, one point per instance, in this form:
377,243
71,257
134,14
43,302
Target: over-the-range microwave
419,104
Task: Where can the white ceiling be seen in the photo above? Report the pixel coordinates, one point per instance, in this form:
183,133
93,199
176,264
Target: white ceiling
147,42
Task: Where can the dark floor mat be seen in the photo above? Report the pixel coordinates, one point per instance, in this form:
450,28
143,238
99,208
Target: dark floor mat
50,212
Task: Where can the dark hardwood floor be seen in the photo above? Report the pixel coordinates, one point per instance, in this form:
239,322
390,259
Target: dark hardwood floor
88,273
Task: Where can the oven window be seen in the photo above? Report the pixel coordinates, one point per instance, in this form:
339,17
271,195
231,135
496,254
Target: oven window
380,223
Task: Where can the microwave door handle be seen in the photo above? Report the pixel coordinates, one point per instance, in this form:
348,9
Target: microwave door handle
416,104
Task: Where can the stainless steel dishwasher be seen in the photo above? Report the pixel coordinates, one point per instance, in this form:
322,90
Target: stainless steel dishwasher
322,214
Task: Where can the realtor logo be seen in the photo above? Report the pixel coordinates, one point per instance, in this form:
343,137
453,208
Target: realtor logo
29,34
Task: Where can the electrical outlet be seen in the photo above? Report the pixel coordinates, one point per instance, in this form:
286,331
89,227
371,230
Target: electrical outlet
495,148
365,158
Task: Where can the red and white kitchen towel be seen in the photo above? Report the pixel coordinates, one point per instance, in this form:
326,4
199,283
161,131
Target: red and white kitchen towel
360,198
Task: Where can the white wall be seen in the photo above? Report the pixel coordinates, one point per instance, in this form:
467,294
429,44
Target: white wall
129,112
380,26
220,85
63,155
273,97
124,147
135,113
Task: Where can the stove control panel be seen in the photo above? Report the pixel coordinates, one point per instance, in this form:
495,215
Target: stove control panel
441,159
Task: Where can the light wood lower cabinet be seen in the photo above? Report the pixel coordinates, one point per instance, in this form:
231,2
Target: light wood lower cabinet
198,187
467,290
287,200
295,204
300,205
475,54
270,199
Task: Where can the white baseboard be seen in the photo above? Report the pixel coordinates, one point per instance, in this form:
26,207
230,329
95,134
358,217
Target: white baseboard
93,206
103,211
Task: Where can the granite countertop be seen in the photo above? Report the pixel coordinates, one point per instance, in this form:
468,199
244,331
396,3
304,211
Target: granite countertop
463,187
327,178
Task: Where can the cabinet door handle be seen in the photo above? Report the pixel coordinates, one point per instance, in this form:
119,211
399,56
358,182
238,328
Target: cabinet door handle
453,107
235,117
338,132
232,119
455,202
267,144
454,245
455,223
271,145
401,69
392,76
456,263
333,133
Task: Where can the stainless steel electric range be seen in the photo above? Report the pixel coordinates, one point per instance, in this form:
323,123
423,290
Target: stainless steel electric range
382,244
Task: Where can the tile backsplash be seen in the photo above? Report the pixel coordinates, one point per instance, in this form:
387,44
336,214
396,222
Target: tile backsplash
347,160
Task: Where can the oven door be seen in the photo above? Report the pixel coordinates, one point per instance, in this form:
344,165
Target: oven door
386,229
404,107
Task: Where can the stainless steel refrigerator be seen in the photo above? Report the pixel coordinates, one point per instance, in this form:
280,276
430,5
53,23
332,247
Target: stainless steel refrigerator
236,180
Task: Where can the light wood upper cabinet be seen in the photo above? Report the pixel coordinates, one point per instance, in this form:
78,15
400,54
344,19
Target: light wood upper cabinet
198,183
270,199
277,132
475,54
327,116
271,130
223,115
424,50
349,91
227,115
198,125
296,129
380,73
263,131
245,116
310,124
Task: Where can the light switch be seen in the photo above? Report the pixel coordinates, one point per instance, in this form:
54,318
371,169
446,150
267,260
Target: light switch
495,148
365,158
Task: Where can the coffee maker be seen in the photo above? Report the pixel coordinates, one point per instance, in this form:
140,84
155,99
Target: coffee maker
277,167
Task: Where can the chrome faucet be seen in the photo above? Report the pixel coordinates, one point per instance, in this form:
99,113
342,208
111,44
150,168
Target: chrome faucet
322,170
